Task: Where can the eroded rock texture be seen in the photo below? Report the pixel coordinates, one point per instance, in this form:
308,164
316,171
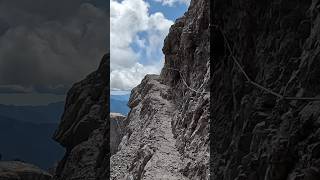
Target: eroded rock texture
14,170
167,128
255,135
84,127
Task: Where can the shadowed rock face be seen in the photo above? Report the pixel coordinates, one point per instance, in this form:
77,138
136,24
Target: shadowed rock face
84,127
167,128
255,135
84,108
13,170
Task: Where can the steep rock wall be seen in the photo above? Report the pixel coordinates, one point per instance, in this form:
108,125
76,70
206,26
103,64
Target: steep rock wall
256,135
187,72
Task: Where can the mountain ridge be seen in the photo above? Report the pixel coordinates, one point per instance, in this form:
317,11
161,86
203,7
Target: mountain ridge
167,128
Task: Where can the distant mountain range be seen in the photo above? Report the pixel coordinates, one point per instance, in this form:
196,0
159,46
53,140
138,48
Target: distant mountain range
52,113
118,103
29,142
37,114
26,133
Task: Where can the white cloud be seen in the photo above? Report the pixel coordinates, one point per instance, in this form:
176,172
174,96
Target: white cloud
173,2
127,78
130,18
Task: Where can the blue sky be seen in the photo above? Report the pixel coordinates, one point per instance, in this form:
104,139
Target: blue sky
170,12
138,29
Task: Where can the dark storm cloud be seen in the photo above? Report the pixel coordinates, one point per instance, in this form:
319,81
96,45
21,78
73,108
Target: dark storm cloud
51,9
47,45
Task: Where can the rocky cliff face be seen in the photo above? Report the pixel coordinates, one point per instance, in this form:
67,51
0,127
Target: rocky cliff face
14,170
257,135
167,128
84,129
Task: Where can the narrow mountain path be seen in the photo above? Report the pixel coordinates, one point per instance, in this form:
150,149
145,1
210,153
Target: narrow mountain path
166,161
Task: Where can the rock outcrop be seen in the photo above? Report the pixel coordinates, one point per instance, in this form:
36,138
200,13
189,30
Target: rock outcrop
14,170
84,127
117,130
255,134
167,129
